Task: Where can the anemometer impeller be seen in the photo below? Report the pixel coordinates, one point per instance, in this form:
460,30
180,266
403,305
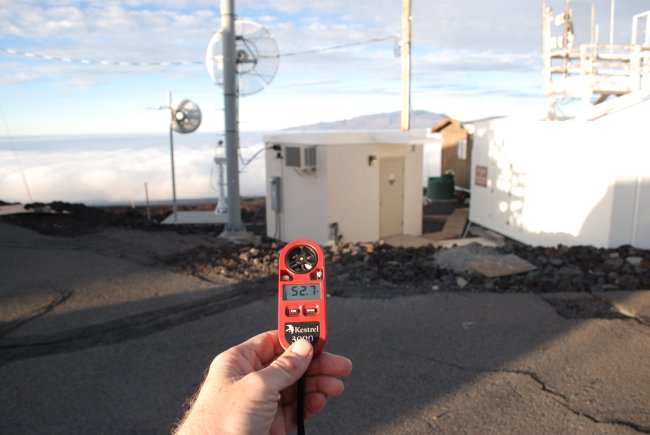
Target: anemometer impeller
301,259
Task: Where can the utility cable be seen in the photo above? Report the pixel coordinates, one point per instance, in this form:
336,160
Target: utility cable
338,47
128,63
212,185
247,162
453,41
103,62
15,154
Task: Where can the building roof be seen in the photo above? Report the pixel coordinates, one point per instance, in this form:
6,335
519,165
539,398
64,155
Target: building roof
350,138
437,128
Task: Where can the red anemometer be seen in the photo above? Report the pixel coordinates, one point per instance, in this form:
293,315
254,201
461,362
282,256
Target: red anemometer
301,295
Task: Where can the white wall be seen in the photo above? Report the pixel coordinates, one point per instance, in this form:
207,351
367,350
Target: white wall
353,191
303,198
572,182
273,169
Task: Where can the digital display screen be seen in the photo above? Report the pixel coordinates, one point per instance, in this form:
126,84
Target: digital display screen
299,292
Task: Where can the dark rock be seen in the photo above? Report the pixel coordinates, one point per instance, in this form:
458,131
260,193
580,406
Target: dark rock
614,263
634,260
569,272
627,282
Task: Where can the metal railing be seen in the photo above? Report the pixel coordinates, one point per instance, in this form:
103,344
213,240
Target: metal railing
611,69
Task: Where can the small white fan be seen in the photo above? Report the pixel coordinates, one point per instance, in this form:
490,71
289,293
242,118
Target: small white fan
186,117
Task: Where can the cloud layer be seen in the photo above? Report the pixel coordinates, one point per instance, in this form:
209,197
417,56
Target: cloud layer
109,169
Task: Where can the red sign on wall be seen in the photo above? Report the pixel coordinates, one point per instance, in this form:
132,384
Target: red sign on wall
480,175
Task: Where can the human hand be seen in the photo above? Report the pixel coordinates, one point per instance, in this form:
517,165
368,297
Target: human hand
250,387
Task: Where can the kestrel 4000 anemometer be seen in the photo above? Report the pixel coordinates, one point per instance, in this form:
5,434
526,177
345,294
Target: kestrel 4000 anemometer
302,294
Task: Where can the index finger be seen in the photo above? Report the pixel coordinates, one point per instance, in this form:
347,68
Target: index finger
330,364
262,349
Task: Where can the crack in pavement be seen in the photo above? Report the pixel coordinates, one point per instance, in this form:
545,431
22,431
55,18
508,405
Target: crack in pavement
7,327
127,328
627,314
431,423
557,396
589,306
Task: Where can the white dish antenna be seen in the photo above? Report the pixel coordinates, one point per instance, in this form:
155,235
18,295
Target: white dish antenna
257,57
186,117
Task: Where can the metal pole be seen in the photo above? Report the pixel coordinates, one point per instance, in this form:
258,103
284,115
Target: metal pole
234,225
546,46
171,151
406,65
593,23
611,22
547,19
146,195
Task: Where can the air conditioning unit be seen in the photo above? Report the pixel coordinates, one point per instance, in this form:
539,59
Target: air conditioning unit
302,158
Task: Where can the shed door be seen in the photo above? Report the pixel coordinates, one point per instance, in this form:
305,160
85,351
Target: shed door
391,196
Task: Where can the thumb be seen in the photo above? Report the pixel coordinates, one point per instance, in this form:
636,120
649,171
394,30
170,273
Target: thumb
288,367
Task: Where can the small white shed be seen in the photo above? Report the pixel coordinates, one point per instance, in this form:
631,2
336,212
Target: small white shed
345,186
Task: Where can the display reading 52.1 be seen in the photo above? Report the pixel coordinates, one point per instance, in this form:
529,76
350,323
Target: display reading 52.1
298,292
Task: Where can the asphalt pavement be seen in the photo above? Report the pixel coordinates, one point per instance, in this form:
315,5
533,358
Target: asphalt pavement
98,336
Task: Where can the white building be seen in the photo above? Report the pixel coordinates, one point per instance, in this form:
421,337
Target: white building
575,182
583,180
344,186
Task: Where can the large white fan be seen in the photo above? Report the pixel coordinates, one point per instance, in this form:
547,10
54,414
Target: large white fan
257,57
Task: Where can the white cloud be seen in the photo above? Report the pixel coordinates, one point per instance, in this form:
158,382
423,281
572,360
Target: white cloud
119,174
455,42
38,22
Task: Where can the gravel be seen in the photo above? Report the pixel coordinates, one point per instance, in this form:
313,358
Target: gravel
373,270
377,270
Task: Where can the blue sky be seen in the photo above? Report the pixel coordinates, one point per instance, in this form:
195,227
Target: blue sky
470,59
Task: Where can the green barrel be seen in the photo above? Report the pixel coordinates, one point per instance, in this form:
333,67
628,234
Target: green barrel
441,187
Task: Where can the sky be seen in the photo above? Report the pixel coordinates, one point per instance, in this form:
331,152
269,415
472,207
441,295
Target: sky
470,59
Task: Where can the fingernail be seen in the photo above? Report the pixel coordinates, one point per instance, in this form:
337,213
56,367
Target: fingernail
302,347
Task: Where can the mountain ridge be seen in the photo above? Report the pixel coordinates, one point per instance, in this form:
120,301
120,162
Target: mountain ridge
377,121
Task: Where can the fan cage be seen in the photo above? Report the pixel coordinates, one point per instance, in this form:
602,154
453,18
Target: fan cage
257,57
190,119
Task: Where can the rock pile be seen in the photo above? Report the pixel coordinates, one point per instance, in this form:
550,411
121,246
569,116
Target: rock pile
371,269
583,268
229,264
379,270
